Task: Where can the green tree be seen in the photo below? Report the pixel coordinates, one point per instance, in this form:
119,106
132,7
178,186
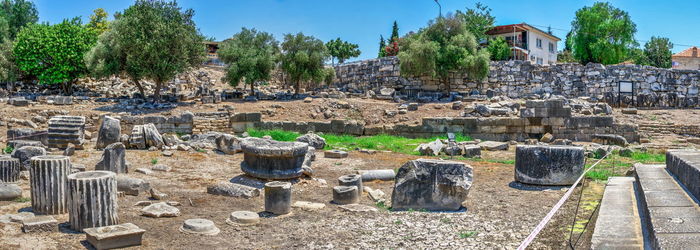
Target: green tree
568,41
152,39
637,56
302,59
4,29
8,68
98,20
658,52
329,75
498,49
18,13
382,45
54,53
394,32
250,57
565,56
342,50
478,20
445,46
602,34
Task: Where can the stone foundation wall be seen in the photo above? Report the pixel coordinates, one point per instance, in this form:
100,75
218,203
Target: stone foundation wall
653,87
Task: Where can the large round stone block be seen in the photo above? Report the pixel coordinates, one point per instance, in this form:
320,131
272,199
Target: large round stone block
548,165
92,199
9,169
269,159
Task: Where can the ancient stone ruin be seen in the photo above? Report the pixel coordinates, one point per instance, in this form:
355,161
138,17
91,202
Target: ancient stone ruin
269,159
431,185
48,177
64,130
92,199
548,165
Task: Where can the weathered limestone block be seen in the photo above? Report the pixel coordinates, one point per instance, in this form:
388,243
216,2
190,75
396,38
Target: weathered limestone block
233,190
351,180
24,154
110,132
548,165
493,145
471,151
9,169
64,130
115,236
432,185
313,140
152,136
113,159
136,139
268,159
378,175
44,223
21,143
278,197
9,191
160,209
47,176
345,195
92,199
228,144
609,139
131,186
433,148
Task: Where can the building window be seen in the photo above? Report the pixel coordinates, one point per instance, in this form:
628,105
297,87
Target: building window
539,43
551,47
540,61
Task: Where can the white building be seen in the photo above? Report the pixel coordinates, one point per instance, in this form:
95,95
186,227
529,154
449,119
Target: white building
528,43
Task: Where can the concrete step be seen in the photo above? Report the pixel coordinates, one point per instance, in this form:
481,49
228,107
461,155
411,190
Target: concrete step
671,216
619,224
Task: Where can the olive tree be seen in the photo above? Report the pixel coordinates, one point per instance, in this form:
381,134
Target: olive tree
302,59
499,49
53,53
342,50
445,46
151,39
250,56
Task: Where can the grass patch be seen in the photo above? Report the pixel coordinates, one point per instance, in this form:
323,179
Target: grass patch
467,234
391,143
398,222
8,149
154,161
23,199
381,205
648,157
601,175
201,150
446,220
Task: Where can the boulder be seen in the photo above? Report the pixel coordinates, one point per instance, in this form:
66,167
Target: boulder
548,165
113,159
9,192
493,145
547,138
432,185
27,152
471,151
432,148
132,186
110,132
313,140
152,136
228,144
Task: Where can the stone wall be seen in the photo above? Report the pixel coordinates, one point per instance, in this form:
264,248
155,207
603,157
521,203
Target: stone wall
653,87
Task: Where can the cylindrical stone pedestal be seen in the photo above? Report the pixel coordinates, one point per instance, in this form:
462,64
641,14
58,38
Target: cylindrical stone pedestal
351,180
47,177
92,199
274,160
9,170
278,197
343,195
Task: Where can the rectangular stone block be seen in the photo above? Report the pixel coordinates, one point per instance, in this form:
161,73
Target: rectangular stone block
115,236
40,224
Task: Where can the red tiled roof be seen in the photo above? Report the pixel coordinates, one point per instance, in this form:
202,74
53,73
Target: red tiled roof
690,52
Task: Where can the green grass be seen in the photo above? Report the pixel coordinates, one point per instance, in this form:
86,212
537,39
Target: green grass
467,234
154,161
615,165
648,157
23,199
391,143
381,205
398,222
8,149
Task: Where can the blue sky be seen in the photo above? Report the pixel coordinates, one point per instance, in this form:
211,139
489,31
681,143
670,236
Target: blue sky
362,21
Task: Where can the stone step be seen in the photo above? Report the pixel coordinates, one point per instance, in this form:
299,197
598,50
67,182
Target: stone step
672,217
619,224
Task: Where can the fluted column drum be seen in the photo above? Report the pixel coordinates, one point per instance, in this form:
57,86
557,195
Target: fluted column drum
9,169
92,199
47,177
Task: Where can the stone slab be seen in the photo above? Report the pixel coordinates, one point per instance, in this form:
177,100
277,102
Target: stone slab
40,224
115,236
618,225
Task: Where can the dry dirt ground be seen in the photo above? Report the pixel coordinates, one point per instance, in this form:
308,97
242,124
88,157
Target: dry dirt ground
499,213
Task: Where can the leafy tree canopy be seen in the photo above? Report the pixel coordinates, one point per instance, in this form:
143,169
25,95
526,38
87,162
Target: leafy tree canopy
302,58
478,20
342,50
602,34
18,13
98,20
498,49
54,53
250,56
443,47
382,45
152,39
8,68
658,52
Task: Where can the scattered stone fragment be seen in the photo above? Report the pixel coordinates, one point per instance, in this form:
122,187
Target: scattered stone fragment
145,171
610,139
376,194
27,152
70,150
113,159
173,203
433,148
243,218
228,144
345,195
307,205
431,184
629,111
358,208
562,142
313,140
167,153
160,209
471,151
199,226
35,224
157,195
9,192
109,132
143,203
547,138
335,154
233,190
162,168
493,145
115,236
377,175
20,217
131,185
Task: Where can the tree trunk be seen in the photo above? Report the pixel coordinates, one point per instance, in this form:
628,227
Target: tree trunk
67,87
140,87
252,88
157,92
448,86
296,88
